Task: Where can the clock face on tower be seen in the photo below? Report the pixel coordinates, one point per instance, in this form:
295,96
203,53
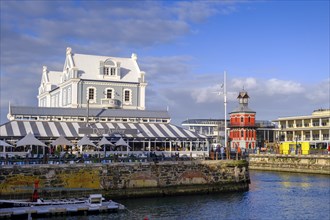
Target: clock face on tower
245,100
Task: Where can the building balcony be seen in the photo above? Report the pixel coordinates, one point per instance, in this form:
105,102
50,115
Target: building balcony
110,103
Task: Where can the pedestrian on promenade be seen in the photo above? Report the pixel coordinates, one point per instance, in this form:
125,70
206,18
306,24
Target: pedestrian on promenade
238,153
228,152
222,151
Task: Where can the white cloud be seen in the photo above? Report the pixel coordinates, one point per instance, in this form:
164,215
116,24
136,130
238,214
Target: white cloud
319,92
246,83
38,36
276,86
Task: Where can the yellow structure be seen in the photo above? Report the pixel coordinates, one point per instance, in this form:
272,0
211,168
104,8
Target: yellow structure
303,134
294,148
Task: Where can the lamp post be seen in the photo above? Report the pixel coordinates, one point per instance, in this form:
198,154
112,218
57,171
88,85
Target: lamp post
224,87
225,104
87,124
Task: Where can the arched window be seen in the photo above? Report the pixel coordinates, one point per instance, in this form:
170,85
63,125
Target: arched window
242,120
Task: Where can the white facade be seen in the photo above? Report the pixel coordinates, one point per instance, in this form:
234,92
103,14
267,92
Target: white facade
314,128
94,81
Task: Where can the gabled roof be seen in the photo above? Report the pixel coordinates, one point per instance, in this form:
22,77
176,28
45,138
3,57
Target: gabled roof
89,67
54,77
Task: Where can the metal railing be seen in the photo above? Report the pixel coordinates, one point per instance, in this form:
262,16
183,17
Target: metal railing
124,157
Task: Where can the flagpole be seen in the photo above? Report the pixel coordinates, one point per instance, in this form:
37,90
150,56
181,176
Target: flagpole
225,104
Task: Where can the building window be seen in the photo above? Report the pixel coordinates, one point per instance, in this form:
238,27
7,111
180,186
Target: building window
109,71
113,71
106,71
127,96
249,119
64,97
52,101
109,93
242,119
91,94
69,95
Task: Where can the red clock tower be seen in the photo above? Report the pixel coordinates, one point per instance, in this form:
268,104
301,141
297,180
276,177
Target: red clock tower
242,124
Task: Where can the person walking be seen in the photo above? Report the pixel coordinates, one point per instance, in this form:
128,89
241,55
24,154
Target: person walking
222,151
239,153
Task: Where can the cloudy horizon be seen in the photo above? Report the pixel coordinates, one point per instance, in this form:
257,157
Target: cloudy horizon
272,50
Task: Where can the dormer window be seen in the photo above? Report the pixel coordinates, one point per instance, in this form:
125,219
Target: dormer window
110,68
109,71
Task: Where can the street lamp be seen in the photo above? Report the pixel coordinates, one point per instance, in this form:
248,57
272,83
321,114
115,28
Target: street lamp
87,124
224,87
225,104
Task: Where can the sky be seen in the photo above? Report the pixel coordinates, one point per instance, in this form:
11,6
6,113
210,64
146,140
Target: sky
277,51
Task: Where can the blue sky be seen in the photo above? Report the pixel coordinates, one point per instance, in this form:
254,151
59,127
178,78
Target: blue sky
277,50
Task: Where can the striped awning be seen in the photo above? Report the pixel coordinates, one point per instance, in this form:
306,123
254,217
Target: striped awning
50,129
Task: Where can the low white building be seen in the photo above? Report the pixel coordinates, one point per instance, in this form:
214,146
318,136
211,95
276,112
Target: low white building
314,128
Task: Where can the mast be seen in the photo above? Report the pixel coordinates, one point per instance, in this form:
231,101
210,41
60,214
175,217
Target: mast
225,105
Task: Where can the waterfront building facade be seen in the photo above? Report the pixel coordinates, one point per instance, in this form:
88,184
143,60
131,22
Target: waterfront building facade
214,129
97,81
242,124
308,132
256,133
99,96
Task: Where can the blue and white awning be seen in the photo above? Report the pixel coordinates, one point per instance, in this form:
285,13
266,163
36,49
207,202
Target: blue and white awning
47,129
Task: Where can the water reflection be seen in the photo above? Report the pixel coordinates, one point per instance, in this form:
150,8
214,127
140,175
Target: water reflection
272,195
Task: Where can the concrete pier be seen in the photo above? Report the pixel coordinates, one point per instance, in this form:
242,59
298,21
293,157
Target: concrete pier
317,164
123,180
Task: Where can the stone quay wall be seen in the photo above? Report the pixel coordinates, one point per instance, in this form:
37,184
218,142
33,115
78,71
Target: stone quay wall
124,180
318,164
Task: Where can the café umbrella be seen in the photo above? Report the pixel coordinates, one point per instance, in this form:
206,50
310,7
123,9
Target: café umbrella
104,141
85,141
61,140
121,143
30,140
4,145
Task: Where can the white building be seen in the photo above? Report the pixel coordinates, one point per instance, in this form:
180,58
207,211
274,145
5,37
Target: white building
314,129
104,82
99,96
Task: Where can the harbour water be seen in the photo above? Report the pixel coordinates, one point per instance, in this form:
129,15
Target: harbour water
272,195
